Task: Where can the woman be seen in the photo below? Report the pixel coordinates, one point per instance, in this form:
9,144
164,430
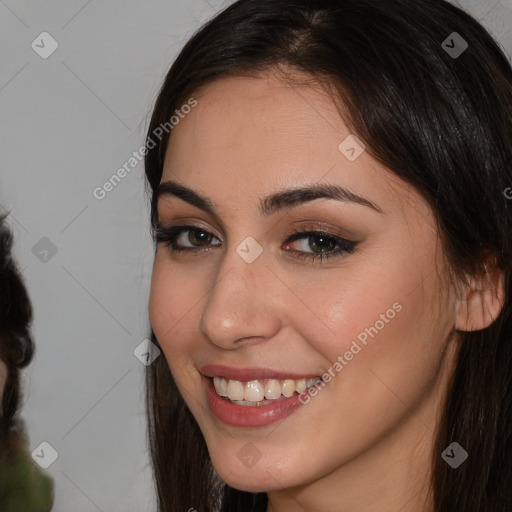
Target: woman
23,486
331,285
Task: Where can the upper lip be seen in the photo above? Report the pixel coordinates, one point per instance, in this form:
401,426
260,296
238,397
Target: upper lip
247,374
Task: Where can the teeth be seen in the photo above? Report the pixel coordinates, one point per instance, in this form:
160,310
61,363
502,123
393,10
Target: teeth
272,389
246,402
235,390
288,388
254,392
221,386
300,386
311,382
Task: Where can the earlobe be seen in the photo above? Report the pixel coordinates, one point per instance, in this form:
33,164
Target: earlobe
481,299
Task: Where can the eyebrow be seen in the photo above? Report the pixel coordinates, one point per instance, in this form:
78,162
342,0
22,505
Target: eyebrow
273,203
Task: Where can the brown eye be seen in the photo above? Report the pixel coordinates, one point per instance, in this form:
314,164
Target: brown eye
199,237
177,238
323,244
316,244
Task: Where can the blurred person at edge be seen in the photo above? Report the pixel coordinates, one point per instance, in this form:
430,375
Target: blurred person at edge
23,485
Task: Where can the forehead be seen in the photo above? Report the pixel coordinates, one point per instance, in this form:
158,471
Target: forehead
257,118
253,135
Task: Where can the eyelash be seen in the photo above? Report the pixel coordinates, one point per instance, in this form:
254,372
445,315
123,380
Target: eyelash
168,235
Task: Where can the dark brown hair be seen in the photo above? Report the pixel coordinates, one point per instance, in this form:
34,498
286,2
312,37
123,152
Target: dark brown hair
16,344
442,124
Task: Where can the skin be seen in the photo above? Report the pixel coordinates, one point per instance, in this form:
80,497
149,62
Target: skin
364,443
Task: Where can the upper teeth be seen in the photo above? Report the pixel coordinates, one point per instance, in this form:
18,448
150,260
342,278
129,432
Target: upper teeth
255,390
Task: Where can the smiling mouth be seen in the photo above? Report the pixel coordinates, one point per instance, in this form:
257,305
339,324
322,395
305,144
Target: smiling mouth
261,392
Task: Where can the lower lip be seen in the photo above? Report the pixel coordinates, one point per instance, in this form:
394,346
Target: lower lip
246,415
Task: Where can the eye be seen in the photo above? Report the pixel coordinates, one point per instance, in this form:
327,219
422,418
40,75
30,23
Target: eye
175,237
324,245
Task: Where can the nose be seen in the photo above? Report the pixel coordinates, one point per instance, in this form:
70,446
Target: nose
243,303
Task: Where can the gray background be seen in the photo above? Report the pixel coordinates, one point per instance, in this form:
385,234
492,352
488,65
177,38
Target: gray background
68,123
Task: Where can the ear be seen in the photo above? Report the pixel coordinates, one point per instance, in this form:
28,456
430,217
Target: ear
481,299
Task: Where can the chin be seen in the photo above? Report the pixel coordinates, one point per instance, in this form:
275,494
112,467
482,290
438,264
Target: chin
251,480
247,485
260,477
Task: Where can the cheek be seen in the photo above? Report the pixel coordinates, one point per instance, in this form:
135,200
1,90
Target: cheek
393,298
173,308
173,303
386,324
363,307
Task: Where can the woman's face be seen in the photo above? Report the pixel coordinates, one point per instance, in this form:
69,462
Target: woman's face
372,319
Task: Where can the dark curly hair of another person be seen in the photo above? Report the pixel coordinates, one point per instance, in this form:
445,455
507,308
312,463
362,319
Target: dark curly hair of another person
16,343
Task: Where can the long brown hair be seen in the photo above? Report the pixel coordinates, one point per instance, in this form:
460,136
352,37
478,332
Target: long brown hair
442,123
